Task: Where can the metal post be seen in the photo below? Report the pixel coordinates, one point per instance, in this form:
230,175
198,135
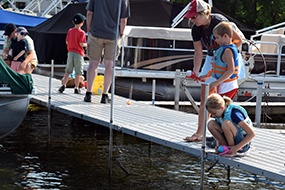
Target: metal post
177,89
112,98
258,104
229,172
123,52
153,91
179,17
131,91
49,100
190,98
204,138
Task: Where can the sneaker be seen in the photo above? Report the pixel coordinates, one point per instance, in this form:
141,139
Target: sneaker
77,91
211,144
210,138
105,99
87,97
61,89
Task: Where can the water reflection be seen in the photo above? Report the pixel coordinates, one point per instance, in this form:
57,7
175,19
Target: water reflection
77,158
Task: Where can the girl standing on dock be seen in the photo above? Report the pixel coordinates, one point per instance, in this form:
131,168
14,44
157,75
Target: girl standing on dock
232,126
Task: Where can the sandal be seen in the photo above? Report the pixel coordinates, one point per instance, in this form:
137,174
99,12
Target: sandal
194,138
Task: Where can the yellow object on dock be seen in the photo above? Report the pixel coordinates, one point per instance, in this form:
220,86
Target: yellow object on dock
98,85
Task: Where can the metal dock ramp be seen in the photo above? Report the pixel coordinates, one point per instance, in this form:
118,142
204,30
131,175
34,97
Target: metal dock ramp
162,126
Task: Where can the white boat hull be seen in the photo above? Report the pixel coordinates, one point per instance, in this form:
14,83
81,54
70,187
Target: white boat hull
13,109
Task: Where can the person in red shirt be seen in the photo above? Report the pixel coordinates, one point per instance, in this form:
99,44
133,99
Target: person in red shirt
75,40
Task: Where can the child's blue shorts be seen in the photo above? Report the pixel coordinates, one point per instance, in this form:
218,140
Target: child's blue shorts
237,139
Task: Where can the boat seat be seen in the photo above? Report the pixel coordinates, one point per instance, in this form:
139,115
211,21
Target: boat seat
271,48
274,36
4,89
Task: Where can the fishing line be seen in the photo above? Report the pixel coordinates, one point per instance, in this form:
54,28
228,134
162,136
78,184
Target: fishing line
193,164
210,159
272,183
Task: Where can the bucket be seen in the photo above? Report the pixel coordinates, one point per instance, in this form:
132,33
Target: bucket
98,85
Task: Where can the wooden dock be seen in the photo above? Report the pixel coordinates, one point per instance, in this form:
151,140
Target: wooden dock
162,126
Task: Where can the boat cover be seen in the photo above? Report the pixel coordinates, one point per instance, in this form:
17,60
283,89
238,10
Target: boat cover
49,37
19,19
19,83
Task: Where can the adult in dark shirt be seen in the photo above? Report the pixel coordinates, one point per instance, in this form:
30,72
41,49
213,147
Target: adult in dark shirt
101,27
202,32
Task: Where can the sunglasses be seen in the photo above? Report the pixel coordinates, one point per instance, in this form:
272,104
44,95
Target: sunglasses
195,16
23,34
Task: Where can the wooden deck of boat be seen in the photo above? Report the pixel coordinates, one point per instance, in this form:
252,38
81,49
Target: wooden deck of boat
163,126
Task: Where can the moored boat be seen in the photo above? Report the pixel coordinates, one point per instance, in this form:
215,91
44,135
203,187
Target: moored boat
13,109
14,98
156,49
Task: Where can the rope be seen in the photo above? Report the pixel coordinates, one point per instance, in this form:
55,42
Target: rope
261,54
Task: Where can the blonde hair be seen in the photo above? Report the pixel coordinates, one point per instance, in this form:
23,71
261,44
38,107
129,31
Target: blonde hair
206,11
215,101
223,28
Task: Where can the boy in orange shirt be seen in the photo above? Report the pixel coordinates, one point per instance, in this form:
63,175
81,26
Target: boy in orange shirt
75,40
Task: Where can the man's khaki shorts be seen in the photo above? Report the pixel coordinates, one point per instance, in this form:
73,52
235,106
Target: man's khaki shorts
33,63
96,45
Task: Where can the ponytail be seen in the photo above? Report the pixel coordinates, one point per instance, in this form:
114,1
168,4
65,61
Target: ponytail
215,101
227,100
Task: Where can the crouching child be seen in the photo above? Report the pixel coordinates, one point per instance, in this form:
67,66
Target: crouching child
232,126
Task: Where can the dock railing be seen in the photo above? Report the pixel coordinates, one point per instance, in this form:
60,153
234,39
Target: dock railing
180,84
260,32
154,33
270,49
260,91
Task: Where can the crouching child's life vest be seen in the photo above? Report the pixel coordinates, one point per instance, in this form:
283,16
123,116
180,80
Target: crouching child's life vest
228,113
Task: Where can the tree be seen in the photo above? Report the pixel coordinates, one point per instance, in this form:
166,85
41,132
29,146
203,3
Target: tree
255,13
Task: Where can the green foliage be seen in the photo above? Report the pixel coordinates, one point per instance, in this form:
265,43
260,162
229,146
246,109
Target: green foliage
255,13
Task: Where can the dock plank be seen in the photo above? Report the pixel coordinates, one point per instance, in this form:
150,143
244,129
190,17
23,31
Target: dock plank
163,126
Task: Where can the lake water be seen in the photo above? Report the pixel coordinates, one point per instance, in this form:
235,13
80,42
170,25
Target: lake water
77,158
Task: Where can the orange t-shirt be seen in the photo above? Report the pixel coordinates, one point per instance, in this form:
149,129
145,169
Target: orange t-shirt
74,38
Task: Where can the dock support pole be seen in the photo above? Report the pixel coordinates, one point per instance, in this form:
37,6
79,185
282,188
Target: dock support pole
153,91
131,91
112,99
258,104
229,172
49,99
177,89
204,138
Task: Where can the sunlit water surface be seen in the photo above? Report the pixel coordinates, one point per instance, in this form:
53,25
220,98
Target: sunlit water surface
77,158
